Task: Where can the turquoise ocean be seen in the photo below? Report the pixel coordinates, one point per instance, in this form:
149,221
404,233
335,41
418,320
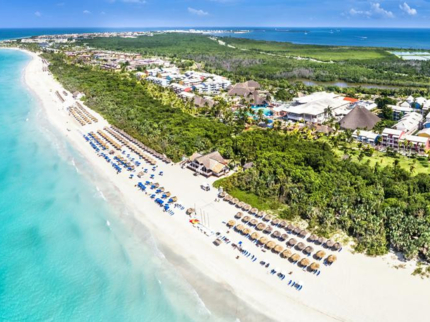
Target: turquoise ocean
69,249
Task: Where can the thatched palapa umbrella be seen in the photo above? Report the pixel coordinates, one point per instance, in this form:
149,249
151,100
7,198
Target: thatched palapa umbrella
337,246
228,198
254,211
290,228
231,223
238,215
255,236
276,234
263,240
246,207
270,245
275,222
190,211
246,219
156,185
278,249
253,222
260,214
295,258
240,204
174,199
303,233
283,237
314,266
282,224
234,201
268,230
286,253
320,254
300,246
308,250
260,226
304,262
239,227
331,259
168,194
246,231
292,242
267,218
321,240
297,230
329,243
312,238
221,194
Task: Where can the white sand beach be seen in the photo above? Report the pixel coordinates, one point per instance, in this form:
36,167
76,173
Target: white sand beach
354,288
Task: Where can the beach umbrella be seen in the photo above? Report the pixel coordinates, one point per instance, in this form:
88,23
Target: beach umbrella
276,234
234,201
292,242
331,259
282,224
190,211
246,219
267,230
313,238
253,222
231,223
254,211
174,199
300,246
168,194
255,236
320,254
278,249
321,240
314,266
337,246
246,207
329,243
260,214
246,231
238,215
283,237
228,198
308,250
275,222
297,230
267,218
270,245
286,253
239,227
221,194
260,226
295,258
303,233
240,204
156,185
290,228
304,262
263,240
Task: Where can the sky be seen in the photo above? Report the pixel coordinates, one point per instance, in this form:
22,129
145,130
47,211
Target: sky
214,13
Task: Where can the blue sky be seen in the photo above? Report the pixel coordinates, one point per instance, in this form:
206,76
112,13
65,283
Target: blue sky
170,13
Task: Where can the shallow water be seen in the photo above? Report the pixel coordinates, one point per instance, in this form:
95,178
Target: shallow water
69,249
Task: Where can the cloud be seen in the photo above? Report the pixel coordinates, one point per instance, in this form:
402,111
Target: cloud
406,8
135,1
197,12
375,11
86,12
38,14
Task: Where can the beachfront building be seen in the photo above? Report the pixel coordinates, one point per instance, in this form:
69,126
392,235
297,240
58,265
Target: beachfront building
158,80
366,137
212,164
391,138
409,123
359,118
316,108
399,111
368,105
424,133
415,143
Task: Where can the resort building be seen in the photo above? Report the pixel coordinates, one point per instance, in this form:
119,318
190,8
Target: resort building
391,138
316,108
369,105
409,123
424,133
212,164
400,111
415,143
366,137
359,118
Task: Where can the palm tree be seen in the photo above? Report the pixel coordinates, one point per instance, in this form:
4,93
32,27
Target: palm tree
260,115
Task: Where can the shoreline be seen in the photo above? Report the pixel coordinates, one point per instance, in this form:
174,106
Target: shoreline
354,278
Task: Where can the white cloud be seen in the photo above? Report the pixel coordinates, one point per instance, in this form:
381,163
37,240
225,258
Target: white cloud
375,11
197,12
86,12
38,14
406,8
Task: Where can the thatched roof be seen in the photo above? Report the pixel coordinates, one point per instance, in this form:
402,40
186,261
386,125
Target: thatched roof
314,266
263,240
260,214
278,249
283,237
238,215
231,223
300,246
267,218
255,235
270,244
246,219
275,221
276,234
282,224
329,243
304,262
308,250
303,233
337,246
313,238
320,254
295,258
260,226
292,242
286,253
253,222
359,118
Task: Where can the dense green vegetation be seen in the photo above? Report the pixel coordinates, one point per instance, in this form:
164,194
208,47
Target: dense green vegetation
380,207
268,61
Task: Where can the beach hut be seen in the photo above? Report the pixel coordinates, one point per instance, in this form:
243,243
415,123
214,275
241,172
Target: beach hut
253,222
270,245
314,267
260,214
278,249
296,230
260,226
254,211
320,254
331,259
234,201
329,243
337,246
308,250
267,218
321,241
246,231
295,258
303,233
283,237
292,242
238,215
304,262
282,224
275,222
290,228
312,238
263,240
300,246
255,236
246,219
286,253
276,234
190,211
231,223
268,230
